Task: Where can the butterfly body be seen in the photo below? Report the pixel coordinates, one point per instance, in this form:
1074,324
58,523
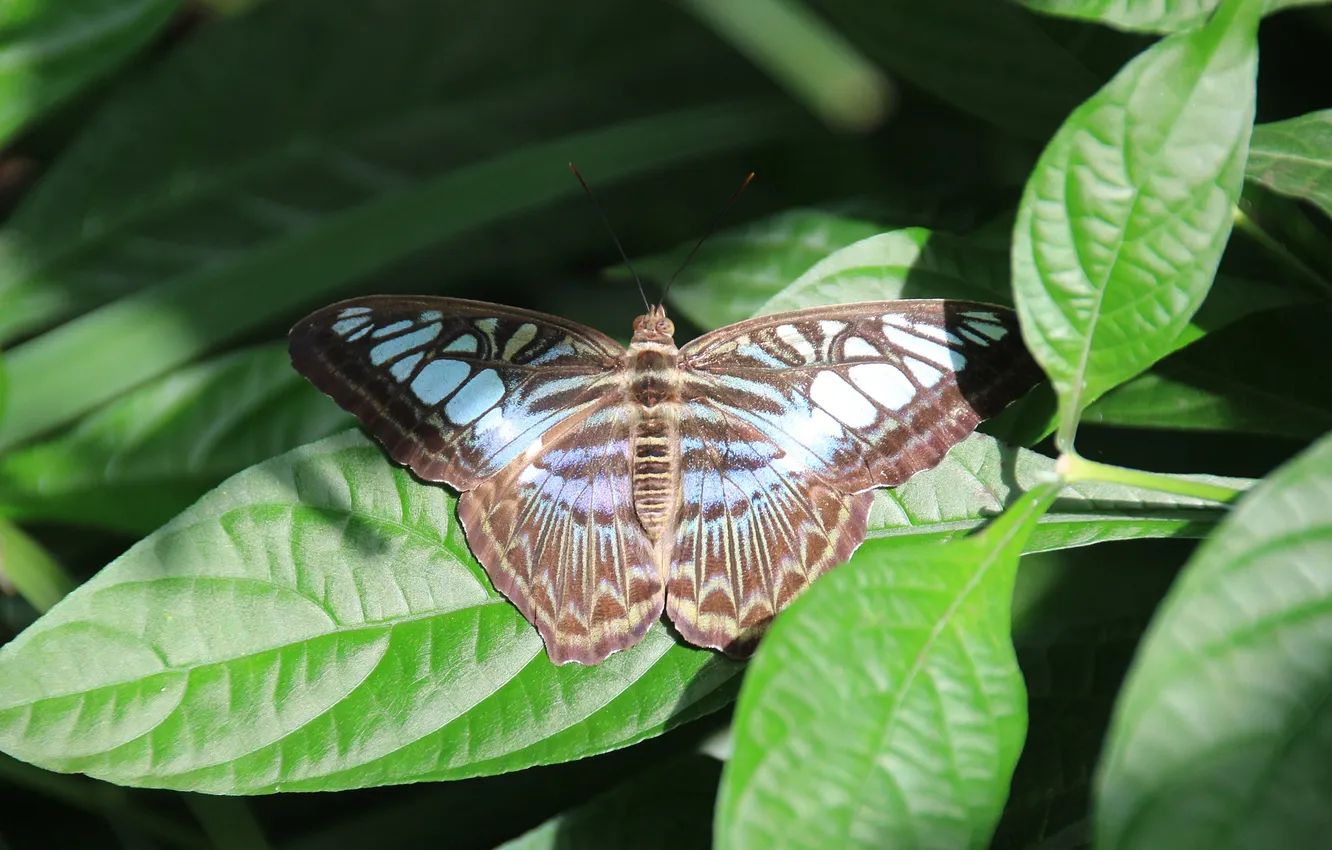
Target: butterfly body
604,485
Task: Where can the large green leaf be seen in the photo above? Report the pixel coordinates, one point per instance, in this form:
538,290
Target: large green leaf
1223,735
317,622
146,457
1294,158
1124,219
50,51
1147,15
885,708
371,131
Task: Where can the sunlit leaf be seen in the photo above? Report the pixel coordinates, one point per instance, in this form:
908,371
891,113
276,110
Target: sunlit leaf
1124,219
1294,158
1223,733
885,708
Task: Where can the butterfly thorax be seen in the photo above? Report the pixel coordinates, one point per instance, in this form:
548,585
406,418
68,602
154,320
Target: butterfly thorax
654,390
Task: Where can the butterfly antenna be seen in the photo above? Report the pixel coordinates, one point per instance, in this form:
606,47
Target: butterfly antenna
614,238
706,234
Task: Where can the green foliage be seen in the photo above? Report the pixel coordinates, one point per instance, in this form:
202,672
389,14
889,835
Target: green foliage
247,598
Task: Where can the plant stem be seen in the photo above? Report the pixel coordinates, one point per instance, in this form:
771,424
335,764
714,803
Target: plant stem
1074,468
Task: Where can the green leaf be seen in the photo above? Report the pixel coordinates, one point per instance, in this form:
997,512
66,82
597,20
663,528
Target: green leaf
745,266
669,808
1253,377
342,170
909,263
50,51
1294,158
146,457
30,569
373,649
1124,219
992,60
885,708
1147,15
1223,735
4,387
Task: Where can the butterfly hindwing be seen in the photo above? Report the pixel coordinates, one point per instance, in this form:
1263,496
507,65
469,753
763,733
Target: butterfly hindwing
789,420
558,535
453,389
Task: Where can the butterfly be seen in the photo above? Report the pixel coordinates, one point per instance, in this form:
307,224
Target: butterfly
602,485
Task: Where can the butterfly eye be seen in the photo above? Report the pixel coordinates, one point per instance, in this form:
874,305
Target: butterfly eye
666,326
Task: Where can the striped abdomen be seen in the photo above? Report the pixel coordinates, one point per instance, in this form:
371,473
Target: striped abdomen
655,485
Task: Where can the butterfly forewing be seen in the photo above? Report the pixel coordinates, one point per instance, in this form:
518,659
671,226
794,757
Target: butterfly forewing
454,389
784,417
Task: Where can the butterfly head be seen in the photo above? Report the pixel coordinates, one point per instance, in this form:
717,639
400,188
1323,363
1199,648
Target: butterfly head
654,327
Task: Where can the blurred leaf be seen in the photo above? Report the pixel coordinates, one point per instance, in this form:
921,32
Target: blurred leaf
668,808
51,50
885,708
909,263
745,266
992,60
1253,377
143,459
341,169
30,569
1223,735
374,650
1294,158
1116,241
1148,15
4,387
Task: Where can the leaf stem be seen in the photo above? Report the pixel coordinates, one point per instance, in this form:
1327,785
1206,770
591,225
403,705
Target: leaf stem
1073,467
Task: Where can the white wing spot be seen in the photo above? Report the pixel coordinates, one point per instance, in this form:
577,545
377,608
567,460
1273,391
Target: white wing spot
925,374
983,315
839,398
995,332
353,311
346,326
792,336
831,328
937,333
362,332
394,348
475,398
521,337
465,344
438,379
858,347
895,319
976,338
926,349
884,383
431,316
402,370
390,330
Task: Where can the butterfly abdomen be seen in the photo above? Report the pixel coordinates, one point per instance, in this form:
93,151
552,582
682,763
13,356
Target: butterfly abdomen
654,390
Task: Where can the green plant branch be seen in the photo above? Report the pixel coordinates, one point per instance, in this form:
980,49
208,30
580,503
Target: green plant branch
1073,468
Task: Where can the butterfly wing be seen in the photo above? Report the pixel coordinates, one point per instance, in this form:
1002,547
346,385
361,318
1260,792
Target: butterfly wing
559,536
790,420
454,389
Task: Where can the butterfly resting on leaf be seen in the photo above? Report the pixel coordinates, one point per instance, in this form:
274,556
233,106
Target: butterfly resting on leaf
602,485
